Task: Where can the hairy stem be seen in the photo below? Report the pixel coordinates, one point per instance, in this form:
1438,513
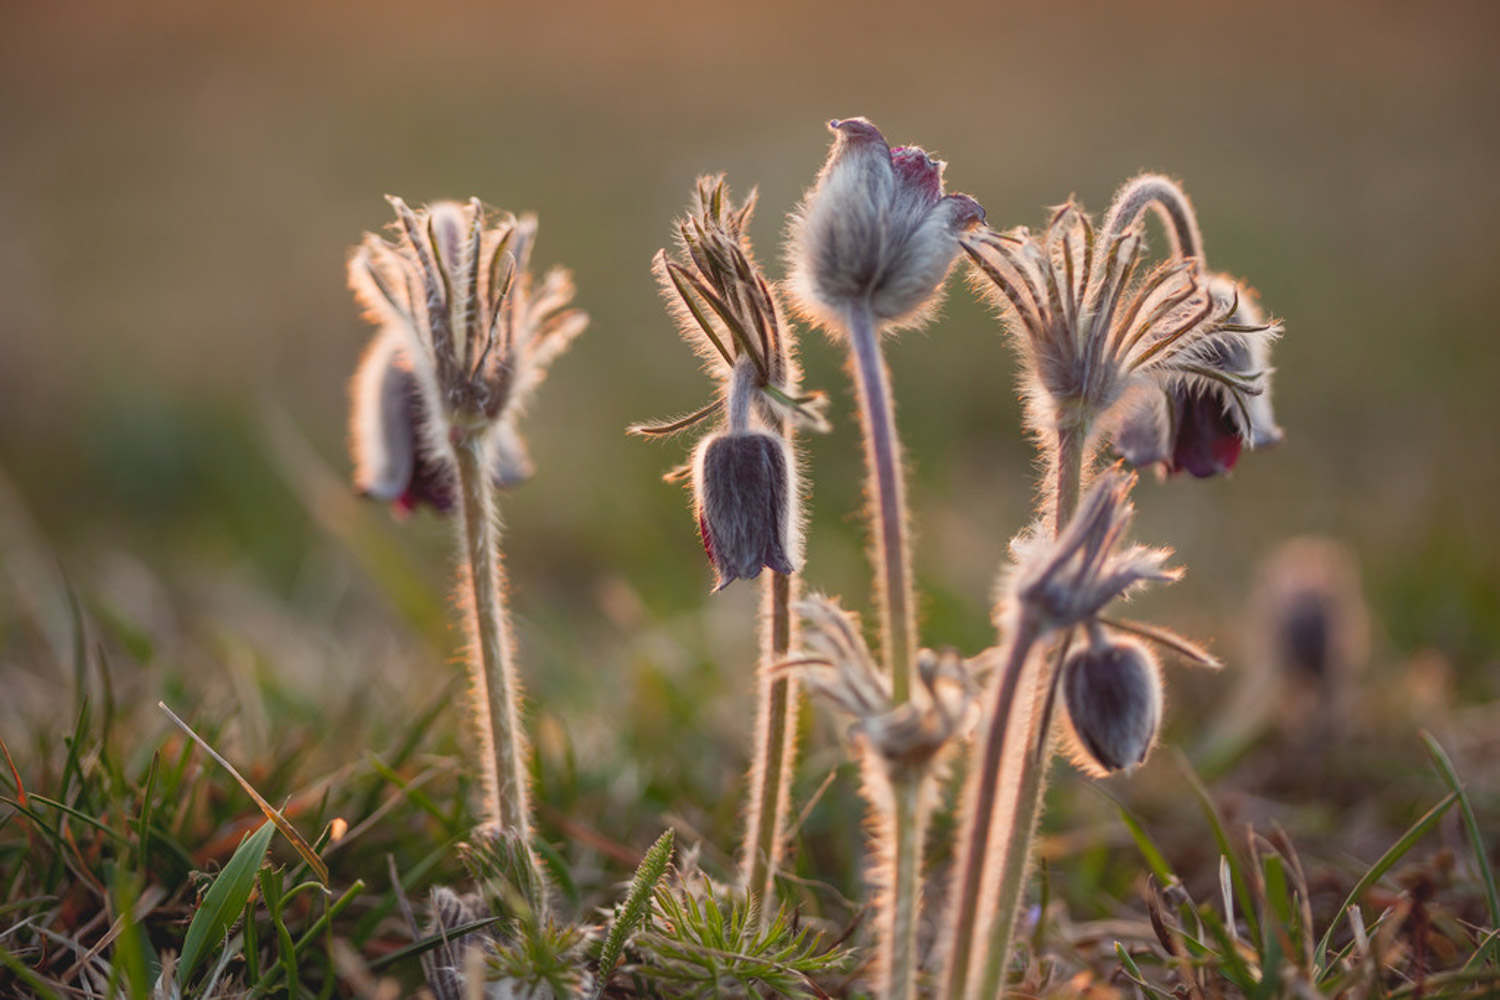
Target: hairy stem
1170,202
774,766
1000,750
906,888
490,658
1015,860
1031,768
887,490
898,644
1069,472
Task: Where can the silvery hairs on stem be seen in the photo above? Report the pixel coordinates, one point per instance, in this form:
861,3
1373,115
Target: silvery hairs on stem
466,335
744,474
1171,367
1112,687
876,228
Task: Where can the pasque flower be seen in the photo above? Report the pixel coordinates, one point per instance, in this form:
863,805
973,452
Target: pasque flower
466,334
1168,364
743,473
876,228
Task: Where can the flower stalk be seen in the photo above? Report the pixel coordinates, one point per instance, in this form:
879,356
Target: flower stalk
745,479
492,670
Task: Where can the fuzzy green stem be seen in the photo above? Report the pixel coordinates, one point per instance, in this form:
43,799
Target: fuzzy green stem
775,748
906,890
1015,857
491,668
887,490
980,810
1069,471
898,638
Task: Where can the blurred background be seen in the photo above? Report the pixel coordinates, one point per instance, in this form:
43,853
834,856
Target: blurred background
181,182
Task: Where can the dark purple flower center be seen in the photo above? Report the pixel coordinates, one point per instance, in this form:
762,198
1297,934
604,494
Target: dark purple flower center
1206,443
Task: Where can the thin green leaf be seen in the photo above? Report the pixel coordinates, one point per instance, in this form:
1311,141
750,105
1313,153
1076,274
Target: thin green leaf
225,900
1237,875
426,944
1387,860
271,812
1476,836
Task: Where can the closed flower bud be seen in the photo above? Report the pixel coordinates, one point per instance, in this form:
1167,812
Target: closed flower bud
1114,699
876,229
743,488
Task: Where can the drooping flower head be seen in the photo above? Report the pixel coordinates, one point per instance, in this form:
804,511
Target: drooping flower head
1067,582
466,335
744,472
1113,694
1168,364
875,229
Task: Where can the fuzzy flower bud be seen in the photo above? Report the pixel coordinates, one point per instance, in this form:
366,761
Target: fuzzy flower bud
1114,696
877,229
743,494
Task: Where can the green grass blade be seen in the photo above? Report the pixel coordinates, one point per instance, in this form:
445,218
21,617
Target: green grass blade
225,900
1476,837
1155,860
1226,850
430,942
637,903
1387,860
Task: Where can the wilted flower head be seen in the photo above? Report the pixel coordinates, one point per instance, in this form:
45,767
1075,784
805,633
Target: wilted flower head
466,335
1113,693
836,663
743,493
1092,335
744,475
876,230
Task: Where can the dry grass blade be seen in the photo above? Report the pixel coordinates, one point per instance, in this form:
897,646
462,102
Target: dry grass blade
272,813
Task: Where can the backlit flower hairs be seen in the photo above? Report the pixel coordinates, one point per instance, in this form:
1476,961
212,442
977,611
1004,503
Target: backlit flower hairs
1169,365
744,473
466,334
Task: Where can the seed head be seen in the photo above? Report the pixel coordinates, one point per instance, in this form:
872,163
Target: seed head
876,228
743,492
1113,693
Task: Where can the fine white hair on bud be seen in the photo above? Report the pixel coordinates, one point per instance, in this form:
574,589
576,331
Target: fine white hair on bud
1113,694
743,490
876,231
